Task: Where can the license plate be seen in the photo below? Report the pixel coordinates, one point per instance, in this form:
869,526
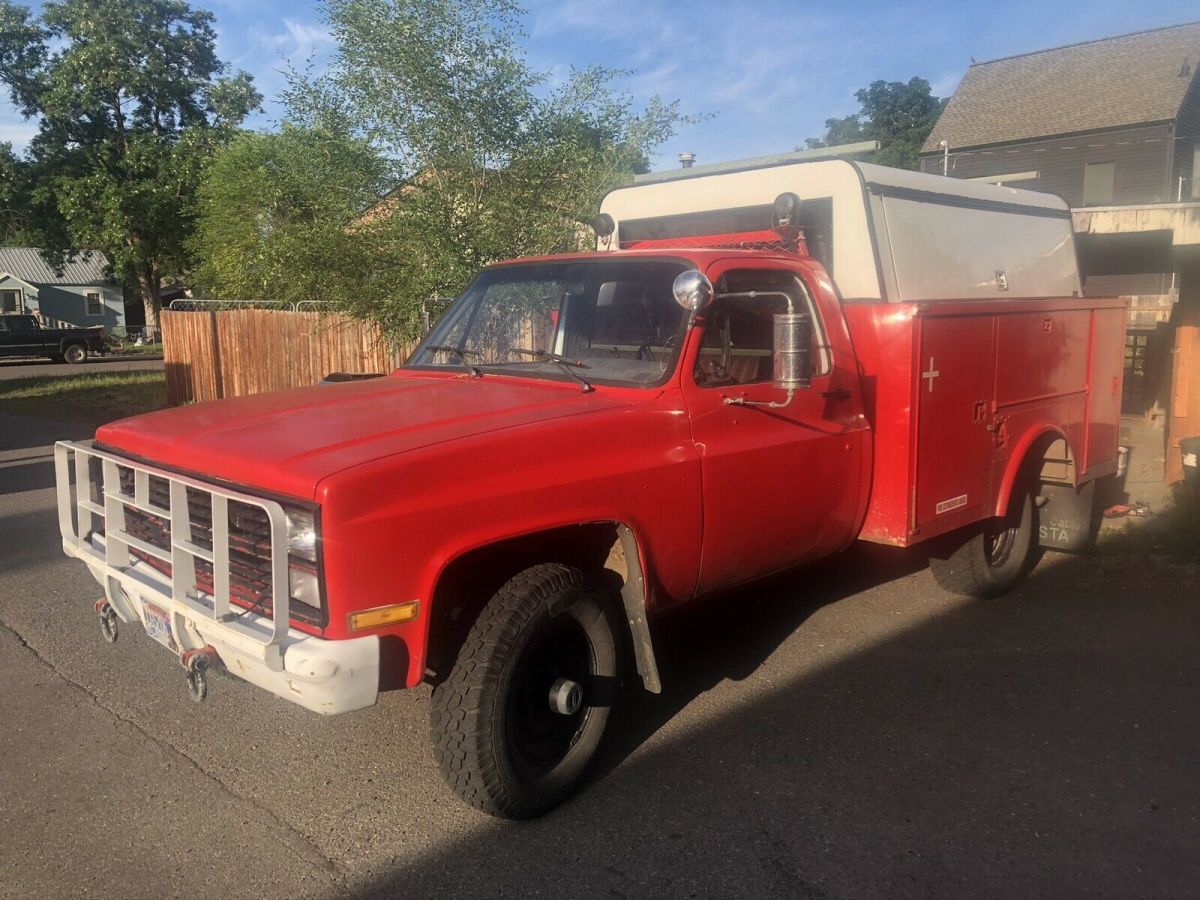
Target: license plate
158,625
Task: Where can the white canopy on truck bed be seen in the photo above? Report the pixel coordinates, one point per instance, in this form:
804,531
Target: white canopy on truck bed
883,233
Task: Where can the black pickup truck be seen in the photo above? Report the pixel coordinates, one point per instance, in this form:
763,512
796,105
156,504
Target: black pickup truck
24,336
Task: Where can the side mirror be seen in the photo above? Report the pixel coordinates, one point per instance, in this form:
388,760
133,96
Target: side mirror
793,351
693,291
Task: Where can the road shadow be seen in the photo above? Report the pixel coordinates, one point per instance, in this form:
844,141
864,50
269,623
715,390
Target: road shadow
1041,744
28,540
727,637
20,432
32,472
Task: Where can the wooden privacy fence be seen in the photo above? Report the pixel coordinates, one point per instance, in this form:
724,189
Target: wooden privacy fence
234,352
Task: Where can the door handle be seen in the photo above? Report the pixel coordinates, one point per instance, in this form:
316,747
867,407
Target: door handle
839,394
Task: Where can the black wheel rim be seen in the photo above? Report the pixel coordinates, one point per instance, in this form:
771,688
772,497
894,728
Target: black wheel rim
538,737
1000,546
1001,539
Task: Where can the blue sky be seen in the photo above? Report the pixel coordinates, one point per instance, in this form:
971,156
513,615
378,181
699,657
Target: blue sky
768,73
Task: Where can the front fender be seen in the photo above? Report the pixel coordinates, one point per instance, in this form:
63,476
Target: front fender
393,526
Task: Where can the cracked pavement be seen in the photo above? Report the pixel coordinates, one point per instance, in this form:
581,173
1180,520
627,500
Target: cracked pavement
848,730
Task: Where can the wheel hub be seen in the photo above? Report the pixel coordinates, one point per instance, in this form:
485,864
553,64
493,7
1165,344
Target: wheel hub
566,697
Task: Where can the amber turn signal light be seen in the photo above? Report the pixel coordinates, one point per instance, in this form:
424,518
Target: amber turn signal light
384,615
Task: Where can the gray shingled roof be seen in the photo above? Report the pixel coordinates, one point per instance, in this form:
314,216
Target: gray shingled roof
1126,80
27,264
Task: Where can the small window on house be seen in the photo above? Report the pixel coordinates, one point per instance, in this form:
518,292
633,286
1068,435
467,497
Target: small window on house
1098,183
95,304
10,302
1195,193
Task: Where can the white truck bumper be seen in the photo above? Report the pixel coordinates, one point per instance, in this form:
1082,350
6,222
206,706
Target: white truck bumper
321,675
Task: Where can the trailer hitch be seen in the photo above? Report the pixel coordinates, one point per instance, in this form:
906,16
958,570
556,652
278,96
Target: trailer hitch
108,620
196,666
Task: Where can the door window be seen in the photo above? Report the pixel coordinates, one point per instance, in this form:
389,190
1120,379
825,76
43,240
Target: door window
738,342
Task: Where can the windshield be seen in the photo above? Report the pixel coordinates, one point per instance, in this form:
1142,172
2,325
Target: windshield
615,322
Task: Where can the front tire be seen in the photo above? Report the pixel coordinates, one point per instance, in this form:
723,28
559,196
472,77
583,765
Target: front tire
76,354
993,559
511,734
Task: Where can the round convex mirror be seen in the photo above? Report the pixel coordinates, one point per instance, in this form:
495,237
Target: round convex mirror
692,289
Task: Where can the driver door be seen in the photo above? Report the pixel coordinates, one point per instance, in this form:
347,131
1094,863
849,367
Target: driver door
781,485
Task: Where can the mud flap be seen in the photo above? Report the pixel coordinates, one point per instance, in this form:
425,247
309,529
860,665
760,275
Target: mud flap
1067,517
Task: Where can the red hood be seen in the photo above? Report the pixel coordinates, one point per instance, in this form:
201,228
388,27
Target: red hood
286,442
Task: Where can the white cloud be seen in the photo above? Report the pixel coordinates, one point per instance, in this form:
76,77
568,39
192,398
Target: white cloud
769,75
15,129
302,39
19,134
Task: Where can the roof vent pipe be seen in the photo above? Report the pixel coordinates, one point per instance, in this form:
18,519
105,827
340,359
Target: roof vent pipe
687,159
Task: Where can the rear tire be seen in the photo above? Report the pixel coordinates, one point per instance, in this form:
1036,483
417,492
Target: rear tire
76,354
995,558
498,739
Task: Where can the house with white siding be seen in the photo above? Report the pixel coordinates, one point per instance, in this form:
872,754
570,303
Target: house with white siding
82,296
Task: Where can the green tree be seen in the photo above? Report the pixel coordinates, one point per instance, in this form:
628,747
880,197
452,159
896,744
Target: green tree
275,218
16,226
491,163
131,101
899,115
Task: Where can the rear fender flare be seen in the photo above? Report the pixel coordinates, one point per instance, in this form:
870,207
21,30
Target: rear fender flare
1034,440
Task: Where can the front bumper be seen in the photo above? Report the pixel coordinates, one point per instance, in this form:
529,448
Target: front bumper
321,675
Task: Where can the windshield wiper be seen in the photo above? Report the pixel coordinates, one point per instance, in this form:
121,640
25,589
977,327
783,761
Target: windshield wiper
567,364
461,355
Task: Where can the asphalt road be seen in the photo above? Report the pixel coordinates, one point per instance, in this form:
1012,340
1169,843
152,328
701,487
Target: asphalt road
847,731
27,368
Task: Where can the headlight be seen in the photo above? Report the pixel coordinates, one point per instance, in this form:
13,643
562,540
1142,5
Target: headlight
303,585
303,582
302,534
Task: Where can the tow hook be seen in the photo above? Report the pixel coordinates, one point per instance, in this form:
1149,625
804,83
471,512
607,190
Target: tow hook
108,620
196,665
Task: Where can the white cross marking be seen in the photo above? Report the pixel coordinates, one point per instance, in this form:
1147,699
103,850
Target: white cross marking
931,374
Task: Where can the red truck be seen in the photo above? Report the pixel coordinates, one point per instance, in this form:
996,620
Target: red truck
756,368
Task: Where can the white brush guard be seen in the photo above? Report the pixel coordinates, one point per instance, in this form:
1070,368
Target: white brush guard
322,675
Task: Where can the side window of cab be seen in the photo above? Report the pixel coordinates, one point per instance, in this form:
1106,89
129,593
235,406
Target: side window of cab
737,347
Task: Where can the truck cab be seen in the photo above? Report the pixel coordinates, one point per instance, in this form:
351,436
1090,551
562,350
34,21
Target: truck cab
753,369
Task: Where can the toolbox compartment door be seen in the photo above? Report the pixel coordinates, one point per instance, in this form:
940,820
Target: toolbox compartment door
954,449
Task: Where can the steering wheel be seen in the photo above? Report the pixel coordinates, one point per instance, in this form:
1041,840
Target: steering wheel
644,349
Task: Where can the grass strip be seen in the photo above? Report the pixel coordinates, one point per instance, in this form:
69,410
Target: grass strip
93,397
